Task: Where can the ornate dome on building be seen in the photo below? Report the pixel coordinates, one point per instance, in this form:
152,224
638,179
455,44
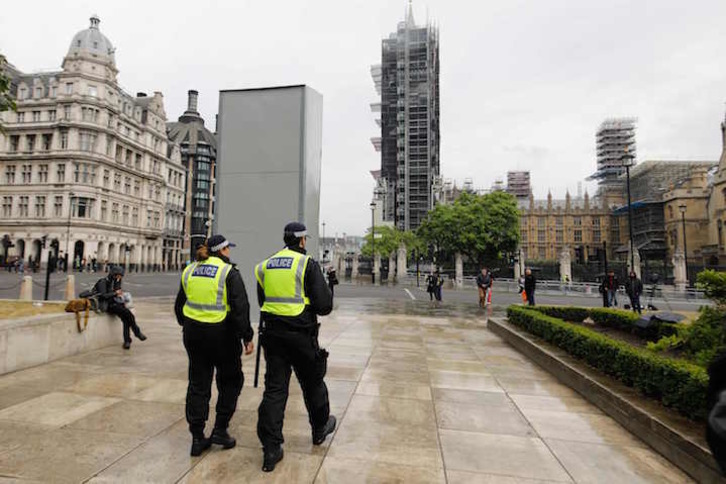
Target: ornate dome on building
91,42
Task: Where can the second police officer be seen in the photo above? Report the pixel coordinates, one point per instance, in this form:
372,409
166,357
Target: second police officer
213,309
292,293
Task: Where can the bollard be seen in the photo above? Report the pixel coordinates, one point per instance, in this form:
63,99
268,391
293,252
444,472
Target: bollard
26,289
70,292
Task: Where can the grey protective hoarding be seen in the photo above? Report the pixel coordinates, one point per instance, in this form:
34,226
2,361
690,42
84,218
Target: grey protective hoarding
268,170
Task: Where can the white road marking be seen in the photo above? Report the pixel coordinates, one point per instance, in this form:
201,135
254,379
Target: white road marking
409,293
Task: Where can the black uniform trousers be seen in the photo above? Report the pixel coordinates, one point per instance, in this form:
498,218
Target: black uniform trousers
285,351
128,318
210,347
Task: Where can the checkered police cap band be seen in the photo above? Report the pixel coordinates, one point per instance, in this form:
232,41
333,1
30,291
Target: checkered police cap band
219,247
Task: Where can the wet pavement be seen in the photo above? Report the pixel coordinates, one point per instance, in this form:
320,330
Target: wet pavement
422,393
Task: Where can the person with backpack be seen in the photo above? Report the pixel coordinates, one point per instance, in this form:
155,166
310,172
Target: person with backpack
111,299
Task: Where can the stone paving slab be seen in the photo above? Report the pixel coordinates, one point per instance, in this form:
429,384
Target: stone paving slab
423,394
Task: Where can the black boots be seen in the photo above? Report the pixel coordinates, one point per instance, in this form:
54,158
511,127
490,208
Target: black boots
222,437
141,336
271,458
127,345
199,445
320,434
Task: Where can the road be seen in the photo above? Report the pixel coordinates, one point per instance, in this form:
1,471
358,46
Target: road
166,284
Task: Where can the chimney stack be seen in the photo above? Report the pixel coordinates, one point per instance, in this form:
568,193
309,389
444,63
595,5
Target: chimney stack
192,102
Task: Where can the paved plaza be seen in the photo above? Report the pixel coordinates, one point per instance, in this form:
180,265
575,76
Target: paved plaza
422,395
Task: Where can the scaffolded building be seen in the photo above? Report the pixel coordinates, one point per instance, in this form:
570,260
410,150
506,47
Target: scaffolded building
518,184
408,82
615,139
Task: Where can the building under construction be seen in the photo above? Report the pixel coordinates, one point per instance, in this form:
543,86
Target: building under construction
518,184
614,139
408,82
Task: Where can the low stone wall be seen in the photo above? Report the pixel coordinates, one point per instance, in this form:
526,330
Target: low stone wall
34,340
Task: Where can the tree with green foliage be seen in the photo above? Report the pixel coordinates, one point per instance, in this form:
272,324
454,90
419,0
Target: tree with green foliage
7,101
713,284
389,239
481,227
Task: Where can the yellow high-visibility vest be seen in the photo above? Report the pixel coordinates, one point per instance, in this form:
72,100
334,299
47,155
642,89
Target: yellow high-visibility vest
204,285
282,277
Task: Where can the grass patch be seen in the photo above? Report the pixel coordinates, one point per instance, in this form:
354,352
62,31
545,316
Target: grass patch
21,309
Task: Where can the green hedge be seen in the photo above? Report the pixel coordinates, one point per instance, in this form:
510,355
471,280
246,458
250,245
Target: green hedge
568,313
676,384
614,318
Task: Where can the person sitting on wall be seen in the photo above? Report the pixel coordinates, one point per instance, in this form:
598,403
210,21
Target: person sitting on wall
111,299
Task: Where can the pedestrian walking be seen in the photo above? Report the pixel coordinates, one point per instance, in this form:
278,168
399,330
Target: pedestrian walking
292,293
431,286
111,299
438,285
522,292
213,309
610,287
332,281
530,285
634,288
484,284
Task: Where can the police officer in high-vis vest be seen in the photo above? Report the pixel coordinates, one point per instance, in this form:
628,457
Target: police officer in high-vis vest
292,293
212,307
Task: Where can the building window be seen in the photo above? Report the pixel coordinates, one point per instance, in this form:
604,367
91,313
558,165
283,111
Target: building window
596,221
578,235
36,116
670,207
14,142
40,207
135,217
69,88
7,207
156,220
43,173
30,143
21,117
114,213
125,215
58,206
67,112
92,91
541,237
60,173
47,141
64,140
138,162
22,93
53,91
148,219
106,178
23,206
127,185
84,173
51,115
577,221
104,210
83,207
137,188
87,141
559,236
596,236
109,145
27,174
117,182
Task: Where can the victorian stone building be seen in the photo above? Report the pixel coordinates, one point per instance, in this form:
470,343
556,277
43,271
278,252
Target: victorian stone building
88,167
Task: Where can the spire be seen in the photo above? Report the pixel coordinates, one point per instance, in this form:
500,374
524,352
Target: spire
95,21
409,15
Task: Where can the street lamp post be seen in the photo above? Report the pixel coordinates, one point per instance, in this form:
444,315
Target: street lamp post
373,242
68,232
682,208
627,160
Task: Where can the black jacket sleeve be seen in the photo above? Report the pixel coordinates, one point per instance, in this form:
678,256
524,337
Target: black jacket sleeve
181,299
239,314
321,300
103,290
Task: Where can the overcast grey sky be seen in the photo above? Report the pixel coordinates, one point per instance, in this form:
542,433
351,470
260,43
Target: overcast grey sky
524,83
